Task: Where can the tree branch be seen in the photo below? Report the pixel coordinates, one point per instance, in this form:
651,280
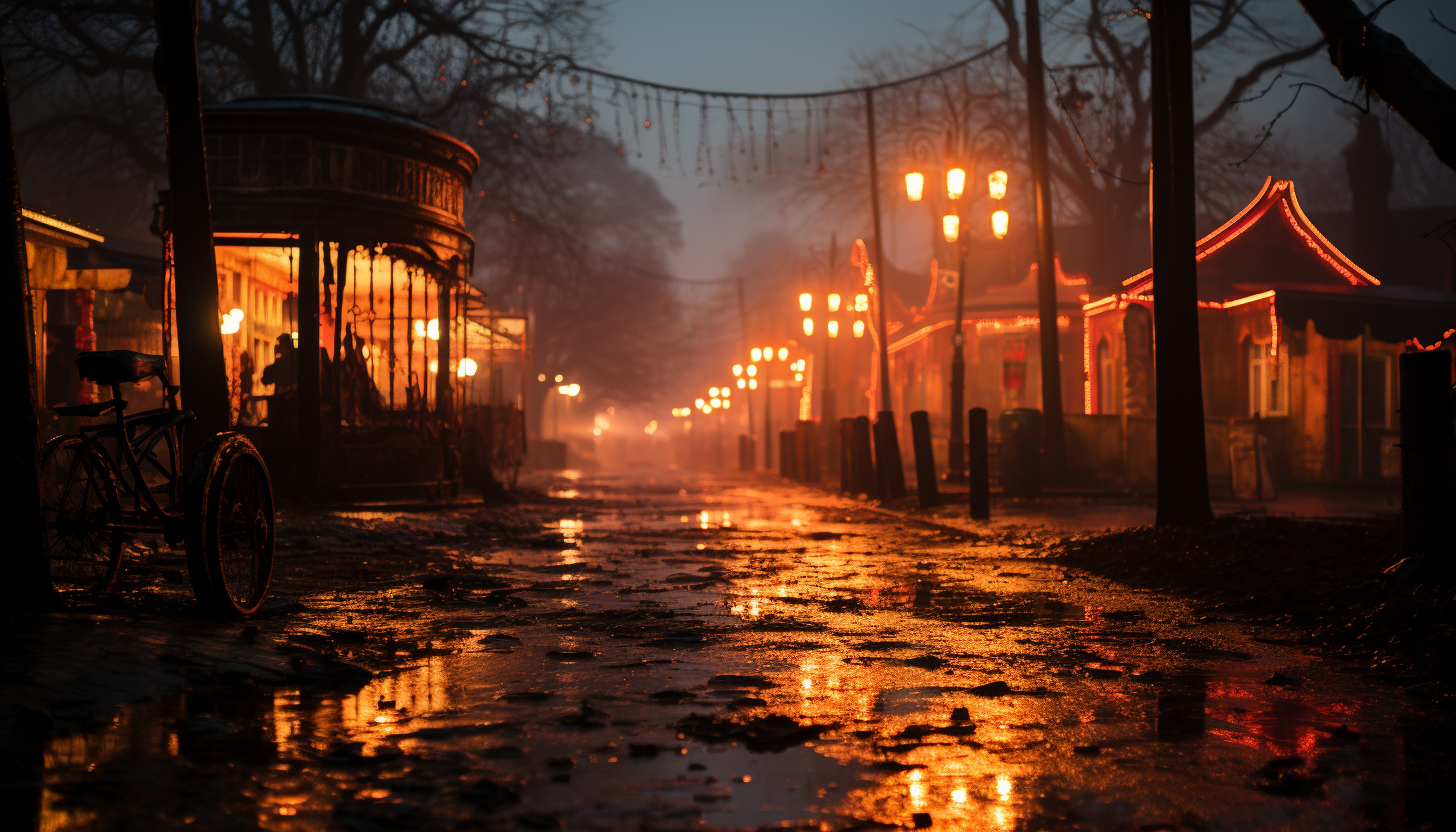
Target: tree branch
1360,49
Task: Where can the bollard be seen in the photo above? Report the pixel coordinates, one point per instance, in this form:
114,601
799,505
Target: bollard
788,455
1425,450
846,455
889,471
806,442
924,460
864,463
1020,454
745,452
980,465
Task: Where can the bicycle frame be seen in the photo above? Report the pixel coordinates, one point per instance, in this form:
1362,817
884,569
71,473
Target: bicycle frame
146,512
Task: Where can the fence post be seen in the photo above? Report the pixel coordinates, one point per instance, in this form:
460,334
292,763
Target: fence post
980,467
846,455
864,463
1425,448
889,473
924,460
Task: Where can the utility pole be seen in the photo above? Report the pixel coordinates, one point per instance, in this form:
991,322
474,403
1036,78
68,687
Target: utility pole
203,373
889,470
828,406
747,394
956,469
1054,454
30,582
1182,459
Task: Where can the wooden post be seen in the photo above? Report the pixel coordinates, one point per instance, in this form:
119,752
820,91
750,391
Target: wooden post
309,402
980,465
1182,458
864,463
1053,440
28,568
890,471
444,398
203,373
924,460
1425,455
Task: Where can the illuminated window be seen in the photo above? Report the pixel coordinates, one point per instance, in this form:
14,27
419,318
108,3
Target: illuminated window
1268,380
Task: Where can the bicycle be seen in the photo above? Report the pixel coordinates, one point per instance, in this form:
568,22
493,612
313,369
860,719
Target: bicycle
94,502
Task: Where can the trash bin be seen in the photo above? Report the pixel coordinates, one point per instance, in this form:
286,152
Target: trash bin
1020,452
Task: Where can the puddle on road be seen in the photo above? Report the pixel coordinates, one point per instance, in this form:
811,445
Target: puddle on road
973,688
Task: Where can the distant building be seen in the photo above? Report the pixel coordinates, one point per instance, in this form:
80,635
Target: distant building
1299,347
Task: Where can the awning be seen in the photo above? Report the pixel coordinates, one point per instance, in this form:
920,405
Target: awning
1395,314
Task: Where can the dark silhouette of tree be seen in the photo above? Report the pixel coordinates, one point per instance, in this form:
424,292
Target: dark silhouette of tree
593,278
90,118
1359,48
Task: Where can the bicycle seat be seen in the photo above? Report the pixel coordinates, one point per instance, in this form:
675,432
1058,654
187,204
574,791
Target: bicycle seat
110,367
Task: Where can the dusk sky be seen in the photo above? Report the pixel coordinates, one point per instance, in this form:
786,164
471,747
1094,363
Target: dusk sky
778,46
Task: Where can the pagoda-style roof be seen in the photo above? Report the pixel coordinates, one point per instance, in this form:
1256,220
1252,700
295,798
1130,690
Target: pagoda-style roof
1269,244
1270,250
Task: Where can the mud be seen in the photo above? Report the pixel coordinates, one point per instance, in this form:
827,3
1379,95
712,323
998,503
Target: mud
675,652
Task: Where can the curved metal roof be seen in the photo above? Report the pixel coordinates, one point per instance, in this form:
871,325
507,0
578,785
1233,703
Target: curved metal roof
322,103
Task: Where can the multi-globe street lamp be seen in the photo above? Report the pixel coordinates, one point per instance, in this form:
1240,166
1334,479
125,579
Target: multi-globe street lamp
952,226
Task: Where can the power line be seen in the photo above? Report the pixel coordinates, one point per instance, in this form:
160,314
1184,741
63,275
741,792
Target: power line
787,96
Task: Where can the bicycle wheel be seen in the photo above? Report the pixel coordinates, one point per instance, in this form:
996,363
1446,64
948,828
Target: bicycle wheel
78,493
230,525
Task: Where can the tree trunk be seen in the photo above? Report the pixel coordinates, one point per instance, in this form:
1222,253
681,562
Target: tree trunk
199,337
1053,442
1182,459
28,581
1360,49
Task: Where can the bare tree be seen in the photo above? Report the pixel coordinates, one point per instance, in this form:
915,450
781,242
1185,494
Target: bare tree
90,120
1359,48
605,312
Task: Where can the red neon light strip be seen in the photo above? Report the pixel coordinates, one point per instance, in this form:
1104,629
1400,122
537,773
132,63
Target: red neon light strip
1331,253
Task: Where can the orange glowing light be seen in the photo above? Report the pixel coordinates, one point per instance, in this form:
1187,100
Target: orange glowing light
833,301
996,184
737,369
915,186
955,183
783,353
833,329
808,326
1086,369
1000,223
950,225
806,302
859,329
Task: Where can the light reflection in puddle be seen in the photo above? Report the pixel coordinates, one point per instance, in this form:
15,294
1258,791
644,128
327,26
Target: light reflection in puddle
1173,741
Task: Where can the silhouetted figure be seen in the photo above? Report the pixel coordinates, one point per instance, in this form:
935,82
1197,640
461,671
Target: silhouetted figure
282,376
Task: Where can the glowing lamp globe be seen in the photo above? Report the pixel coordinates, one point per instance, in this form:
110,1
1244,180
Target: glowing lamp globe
996,184
955,183
1000,223
915,186
950,224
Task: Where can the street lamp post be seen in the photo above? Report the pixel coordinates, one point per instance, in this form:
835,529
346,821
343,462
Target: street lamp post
953,227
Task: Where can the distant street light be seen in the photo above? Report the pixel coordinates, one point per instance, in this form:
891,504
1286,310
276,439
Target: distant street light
914,186
950,225
996,184
808,326
834,301
806,302
859,329
999,223
955,183
833,328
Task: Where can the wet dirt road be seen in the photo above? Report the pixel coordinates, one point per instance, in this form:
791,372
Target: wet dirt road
676,652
